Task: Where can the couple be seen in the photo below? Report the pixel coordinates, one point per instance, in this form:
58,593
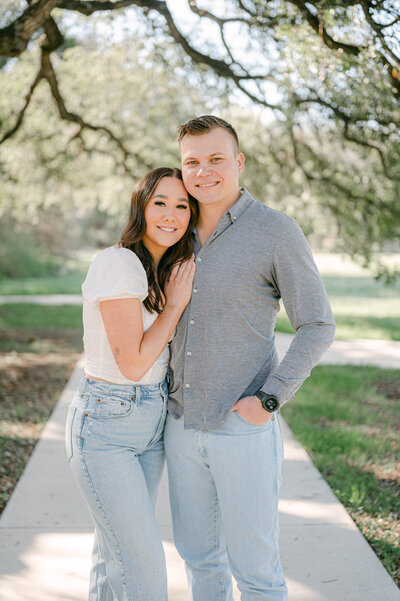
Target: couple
206,278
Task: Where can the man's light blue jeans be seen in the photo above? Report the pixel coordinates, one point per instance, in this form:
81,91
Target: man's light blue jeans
224,487
114,440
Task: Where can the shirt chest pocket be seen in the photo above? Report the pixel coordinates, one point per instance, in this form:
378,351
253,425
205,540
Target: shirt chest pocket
109,406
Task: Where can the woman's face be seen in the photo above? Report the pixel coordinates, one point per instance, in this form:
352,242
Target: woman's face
167,216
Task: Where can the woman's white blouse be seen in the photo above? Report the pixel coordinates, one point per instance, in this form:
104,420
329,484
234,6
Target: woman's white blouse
114,273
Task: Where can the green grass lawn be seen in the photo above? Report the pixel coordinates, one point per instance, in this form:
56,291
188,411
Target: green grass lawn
68,282
28,328
26,315
363,307
355,325
348,419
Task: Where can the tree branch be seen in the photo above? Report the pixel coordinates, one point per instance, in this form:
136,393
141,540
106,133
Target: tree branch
15,37
347,122
346,117
336,180
50,75
396,20
28,98
53,37
318,26
394,70
88,7
50,41
371,146
219,66
201,12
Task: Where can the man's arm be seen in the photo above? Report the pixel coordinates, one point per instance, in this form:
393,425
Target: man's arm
306,302
300,286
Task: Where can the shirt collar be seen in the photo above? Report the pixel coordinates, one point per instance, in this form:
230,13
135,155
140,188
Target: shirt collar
240,205
232,214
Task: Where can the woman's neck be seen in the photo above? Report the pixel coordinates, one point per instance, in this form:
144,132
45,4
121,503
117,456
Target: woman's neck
156,255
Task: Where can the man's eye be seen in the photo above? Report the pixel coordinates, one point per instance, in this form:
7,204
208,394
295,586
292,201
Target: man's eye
215,159
191,163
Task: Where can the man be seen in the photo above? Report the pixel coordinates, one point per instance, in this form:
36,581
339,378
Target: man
222,437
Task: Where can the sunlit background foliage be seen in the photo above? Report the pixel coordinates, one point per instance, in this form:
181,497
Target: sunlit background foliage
313,89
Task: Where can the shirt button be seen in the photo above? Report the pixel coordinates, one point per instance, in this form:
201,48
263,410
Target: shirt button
192,321
195,290
187,385
189,353
199,259
234,219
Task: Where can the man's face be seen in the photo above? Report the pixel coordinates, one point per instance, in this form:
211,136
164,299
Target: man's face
211,167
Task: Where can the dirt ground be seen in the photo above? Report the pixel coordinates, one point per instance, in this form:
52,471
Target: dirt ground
34,368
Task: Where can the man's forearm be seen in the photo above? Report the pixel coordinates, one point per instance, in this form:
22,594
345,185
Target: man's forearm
305,351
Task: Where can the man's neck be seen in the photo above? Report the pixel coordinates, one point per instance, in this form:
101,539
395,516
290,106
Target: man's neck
209,217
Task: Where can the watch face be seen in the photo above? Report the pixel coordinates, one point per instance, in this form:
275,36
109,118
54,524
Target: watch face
271,404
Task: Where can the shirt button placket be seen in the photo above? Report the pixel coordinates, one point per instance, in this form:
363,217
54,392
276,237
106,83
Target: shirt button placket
187,396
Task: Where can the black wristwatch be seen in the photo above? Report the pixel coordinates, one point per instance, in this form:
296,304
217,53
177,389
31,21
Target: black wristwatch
269,402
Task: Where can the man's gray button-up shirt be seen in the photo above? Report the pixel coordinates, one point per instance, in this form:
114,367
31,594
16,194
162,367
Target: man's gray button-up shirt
223,349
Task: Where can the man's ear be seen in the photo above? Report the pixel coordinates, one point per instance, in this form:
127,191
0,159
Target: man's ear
240,161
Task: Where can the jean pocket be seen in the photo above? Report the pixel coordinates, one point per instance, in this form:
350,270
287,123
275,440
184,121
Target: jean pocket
68,432
105,406
265,425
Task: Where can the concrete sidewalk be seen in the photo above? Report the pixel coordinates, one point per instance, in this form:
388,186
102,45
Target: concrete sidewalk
46,532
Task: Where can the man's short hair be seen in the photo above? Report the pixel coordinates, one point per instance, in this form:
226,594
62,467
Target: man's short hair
203,125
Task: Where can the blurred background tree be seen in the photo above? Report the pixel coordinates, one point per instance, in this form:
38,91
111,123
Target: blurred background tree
92,91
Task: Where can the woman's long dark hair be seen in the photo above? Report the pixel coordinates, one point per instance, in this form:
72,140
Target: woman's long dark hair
134,231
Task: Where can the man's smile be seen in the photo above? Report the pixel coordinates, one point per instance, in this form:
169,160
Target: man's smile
210,185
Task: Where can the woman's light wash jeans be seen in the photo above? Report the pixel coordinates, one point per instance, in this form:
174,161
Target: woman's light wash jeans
114,441
224,487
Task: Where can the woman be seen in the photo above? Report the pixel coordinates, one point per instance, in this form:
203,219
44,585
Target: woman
134,294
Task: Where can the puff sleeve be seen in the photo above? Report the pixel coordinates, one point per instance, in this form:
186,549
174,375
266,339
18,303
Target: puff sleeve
115,273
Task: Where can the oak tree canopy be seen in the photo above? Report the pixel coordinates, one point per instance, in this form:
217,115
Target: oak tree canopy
325,74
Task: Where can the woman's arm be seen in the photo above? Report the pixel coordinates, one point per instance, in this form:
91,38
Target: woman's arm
136,351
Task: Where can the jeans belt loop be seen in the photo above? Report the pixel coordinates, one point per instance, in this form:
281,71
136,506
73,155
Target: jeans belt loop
137,395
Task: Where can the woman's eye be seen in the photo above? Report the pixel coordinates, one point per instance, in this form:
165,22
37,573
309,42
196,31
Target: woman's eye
159,203
181,206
